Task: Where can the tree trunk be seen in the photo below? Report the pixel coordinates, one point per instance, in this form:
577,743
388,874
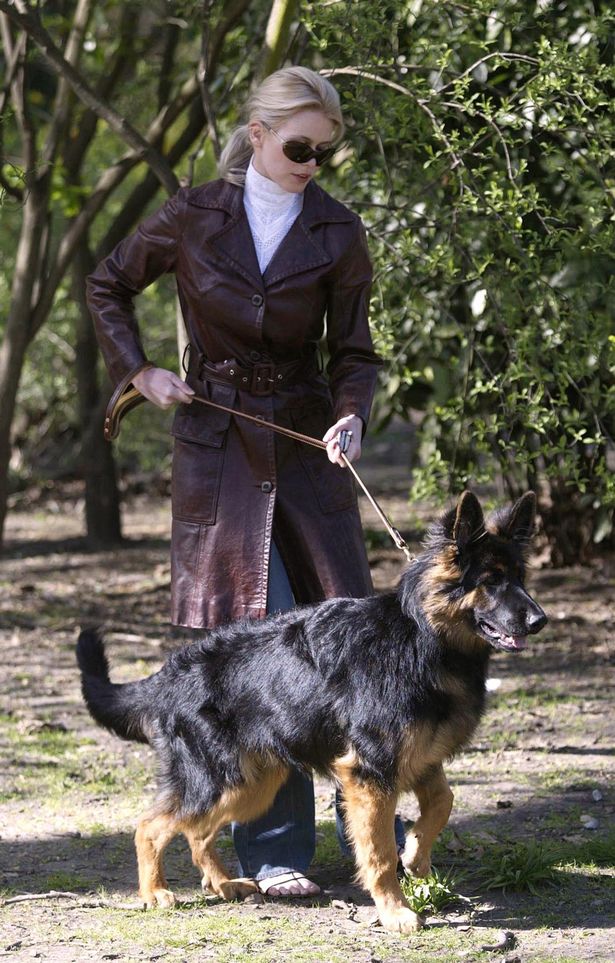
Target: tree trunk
17,334
277,36
102,499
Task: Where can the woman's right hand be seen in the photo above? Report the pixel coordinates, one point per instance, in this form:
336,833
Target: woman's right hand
163,388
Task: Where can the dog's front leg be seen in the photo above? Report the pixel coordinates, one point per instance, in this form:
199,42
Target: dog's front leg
435,802
370,817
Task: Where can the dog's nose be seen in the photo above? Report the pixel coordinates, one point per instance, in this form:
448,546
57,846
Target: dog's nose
536,620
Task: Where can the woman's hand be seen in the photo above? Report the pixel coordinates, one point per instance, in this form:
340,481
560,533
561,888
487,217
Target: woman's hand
162,387
349,423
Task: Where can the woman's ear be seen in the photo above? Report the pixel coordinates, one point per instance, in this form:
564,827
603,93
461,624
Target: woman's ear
255,133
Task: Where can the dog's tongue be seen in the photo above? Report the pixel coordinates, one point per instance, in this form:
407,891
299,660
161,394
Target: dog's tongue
515,641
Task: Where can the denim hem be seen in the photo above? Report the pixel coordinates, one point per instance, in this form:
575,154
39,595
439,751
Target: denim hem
266,872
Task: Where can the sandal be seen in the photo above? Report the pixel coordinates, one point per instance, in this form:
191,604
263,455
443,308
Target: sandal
288,885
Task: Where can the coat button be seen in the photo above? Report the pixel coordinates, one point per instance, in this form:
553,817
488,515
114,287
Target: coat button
257,300
267,487
254,356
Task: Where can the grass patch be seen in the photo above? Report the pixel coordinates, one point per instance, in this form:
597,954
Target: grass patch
525,867
327,846
520,867
237,936
47,761
595,851
432,894
64,883
567,780
534,698
240,935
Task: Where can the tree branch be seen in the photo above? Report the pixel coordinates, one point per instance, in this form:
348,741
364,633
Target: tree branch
13,54
171,38
74,46
203,77
276,36
19,49
140,196
25,18
112,177
123,58
496,53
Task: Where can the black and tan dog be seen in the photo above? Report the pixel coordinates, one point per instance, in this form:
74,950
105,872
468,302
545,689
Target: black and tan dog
374,692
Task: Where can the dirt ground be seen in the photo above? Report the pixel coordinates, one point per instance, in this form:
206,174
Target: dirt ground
539,770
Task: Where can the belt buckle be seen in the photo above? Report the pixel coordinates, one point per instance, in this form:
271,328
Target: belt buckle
262,379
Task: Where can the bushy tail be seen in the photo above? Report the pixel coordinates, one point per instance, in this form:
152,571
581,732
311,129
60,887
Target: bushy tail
120,708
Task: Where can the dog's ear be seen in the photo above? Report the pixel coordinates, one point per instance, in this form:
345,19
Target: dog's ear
519,526
469,521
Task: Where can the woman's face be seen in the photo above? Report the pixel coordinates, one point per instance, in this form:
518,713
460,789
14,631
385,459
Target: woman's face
308,126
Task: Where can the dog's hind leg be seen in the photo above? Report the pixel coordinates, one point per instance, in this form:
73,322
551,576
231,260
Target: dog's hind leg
370,817
154,833
435,802
242,803
215,878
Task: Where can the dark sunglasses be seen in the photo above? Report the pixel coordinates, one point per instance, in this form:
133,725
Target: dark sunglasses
300,153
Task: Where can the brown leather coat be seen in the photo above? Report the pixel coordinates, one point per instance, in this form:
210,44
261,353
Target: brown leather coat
235,484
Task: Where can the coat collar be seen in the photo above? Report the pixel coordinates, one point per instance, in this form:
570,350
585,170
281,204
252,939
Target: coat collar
299,251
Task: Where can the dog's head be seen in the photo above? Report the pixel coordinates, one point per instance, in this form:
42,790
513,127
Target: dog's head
472,581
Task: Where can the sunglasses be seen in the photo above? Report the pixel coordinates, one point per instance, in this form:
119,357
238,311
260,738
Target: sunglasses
300,153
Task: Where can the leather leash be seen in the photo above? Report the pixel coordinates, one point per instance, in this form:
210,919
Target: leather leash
398,539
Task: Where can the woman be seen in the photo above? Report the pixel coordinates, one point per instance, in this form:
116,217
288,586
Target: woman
260,522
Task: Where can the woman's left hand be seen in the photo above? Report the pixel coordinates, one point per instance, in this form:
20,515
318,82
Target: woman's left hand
349,423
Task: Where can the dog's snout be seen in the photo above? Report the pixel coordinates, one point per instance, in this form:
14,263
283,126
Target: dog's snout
536,619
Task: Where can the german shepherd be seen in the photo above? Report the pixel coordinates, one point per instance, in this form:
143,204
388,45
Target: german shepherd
374,692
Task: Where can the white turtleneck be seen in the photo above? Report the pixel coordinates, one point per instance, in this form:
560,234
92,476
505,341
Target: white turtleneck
271,211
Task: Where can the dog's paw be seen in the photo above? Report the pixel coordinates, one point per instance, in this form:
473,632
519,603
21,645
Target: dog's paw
400,920
233,889
161,898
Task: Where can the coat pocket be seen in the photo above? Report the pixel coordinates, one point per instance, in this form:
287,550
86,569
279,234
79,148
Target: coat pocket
198,456
195,482
333,486
201,424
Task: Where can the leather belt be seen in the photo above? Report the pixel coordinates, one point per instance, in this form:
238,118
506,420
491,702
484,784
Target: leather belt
261,378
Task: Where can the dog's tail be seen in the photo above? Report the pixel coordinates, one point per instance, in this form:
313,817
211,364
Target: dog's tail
120,708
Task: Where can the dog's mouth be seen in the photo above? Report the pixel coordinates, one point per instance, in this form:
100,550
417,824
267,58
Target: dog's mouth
500,639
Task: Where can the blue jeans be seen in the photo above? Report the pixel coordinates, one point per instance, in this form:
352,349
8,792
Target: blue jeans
285,837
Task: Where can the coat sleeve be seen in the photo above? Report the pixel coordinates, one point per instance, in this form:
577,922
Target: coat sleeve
136,262
353,363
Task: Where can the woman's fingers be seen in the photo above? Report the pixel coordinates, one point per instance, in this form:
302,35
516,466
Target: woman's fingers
163,388
353,426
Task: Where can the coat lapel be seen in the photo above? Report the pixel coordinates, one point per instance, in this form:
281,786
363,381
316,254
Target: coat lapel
299,250
236,245
233,241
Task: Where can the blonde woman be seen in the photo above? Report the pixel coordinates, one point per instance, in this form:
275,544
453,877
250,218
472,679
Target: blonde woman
266,262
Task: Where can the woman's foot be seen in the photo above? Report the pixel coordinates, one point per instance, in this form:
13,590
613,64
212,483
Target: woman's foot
289,884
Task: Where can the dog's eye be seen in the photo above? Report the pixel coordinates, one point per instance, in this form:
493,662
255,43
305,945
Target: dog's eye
491,579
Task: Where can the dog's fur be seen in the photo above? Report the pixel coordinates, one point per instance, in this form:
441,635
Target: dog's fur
375,692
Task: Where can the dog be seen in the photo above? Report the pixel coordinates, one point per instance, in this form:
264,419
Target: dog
374,692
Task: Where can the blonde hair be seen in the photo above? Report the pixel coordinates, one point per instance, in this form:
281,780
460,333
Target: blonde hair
280,96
